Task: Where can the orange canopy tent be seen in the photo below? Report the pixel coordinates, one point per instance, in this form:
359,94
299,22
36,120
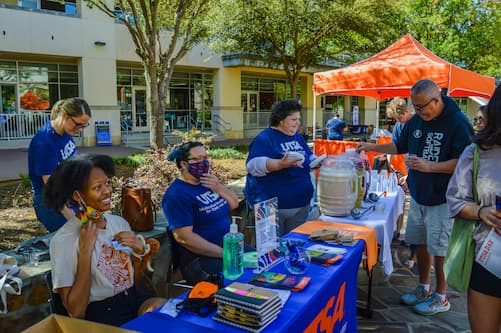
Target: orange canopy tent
393,71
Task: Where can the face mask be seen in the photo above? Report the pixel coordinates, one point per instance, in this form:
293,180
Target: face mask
197,169
86,212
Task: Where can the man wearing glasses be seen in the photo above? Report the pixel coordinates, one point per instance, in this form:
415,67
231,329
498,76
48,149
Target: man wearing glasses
52,144
434,141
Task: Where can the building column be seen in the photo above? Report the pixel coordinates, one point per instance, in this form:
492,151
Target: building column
227,94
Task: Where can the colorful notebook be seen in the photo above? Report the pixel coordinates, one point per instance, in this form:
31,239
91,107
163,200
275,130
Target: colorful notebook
247,295
281,281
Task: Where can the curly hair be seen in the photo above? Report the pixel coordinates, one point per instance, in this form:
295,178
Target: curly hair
490,135
396,107
72,175
283,109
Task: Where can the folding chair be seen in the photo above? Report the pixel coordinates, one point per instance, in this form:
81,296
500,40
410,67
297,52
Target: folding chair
166,268
55,302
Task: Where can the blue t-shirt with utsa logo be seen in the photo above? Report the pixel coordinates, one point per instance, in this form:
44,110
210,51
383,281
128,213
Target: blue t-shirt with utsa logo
292,185
186,205
47,149
441,139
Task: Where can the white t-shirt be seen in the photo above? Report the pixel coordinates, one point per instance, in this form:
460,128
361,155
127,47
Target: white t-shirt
111,269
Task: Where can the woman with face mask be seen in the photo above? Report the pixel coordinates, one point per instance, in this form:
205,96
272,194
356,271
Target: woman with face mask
197,206
91,253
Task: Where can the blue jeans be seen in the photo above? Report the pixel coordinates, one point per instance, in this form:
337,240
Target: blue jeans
51,219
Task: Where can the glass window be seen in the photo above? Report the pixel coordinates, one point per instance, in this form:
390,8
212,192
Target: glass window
8,71
266,85
66,77
33,4
39,85
249,83
139,80
124,77
69,90
34,96
34,72
124,95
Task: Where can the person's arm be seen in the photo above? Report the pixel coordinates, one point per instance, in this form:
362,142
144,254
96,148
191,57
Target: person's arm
283,163
387,148
76,297
488,215
212,182
419,164
195,243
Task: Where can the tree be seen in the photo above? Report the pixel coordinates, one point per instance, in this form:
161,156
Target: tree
464,32
150,22
295,34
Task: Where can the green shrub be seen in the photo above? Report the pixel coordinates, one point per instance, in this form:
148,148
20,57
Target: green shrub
224,153
134,160
25,179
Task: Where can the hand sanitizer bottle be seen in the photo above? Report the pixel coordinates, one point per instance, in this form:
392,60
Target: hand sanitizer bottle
233,252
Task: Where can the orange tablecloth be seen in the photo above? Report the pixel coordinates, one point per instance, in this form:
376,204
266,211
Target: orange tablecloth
367,234
335,147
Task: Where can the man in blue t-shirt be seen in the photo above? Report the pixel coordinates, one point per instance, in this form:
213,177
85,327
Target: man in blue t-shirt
434,141
336,127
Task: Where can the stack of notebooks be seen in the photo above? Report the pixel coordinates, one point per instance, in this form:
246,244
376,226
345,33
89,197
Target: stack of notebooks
247,307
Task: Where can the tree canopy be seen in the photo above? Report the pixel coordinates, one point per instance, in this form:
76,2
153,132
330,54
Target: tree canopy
464,32
295,34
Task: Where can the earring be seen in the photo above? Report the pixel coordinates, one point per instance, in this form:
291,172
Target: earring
82,214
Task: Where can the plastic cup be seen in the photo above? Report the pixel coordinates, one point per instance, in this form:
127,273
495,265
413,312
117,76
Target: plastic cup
31,257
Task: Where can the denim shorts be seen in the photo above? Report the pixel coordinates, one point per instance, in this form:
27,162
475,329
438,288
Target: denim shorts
429,225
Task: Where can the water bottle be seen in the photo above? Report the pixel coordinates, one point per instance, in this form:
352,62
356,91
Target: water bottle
233,252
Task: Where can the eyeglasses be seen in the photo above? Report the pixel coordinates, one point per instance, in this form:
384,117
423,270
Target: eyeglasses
198,158
79,125
420,108
478,119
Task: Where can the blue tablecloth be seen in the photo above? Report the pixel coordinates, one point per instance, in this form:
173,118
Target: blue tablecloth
328,304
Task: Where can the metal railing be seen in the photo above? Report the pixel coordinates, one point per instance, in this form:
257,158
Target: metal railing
22,125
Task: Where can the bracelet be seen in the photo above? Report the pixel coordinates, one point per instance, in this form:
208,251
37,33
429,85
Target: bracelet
146,248
478,212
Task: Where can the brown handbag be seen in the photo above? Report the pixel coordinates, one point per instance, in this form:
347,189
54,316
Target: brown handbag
137,208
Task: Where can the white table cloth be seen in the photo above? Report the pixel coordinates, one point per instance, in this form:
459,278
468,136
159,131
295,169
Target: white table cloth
384,223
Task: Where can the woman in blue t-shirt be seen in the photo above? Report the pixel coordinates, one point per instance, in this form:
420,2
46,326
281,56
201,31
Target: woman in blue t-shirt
276,170
52,144
197,206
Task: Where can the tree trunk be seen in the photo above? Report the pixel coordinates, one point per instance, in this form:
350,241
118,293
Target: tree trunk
155,110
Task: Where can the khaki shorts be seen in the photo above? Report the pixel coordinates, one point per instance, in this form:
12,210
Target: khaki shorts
429,225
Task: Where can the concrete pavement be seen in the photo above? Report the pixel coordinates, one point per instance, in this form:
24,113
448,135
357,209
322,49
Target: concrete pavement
14,162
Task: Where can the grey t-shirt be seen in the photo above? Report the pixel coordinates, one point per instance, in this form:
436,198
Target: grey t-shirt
460,193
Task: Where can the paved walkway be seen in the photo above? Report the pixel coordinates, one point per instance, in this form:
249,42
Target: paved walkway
389,315
14,162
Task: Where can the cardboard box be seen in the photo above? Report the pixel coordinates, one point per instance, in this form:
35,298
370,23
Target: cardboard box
62,324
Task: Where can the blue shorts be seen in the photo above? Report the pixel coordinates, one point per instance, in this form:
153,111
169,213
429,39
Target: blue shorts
51,219
429,225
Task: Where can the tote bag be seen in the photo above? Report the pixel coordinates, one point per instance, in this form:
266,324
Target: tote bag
461,250
137,208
